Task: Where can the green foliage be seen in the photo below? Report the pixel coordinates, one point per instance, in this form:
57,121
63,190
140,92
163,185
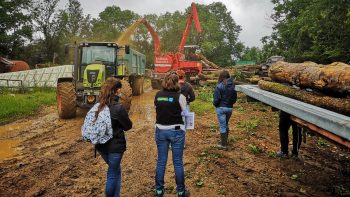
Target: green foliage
200,107
310,30
205,94
254,149
252,54
20,105
322,142
248,124
15,27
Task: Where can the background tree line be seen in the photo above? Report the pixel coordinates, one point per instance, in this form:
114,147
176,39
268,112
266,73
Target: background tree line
304,30
36,31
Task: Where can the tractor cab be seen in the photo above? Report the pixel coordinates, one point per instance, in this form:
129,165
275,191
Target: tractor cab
94,63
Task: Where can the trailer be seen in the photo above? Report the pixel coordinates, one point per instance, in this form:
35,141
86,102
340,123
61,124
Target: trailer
328,124
132,65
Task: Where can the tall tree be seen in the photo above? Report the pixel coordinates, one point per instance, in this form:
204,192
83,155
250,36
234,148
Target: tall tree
45,16
15,27
311,30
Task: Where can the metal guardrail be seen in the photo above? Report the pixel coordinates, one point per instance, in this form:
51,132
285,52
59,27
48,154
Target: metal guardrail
335,123
12,86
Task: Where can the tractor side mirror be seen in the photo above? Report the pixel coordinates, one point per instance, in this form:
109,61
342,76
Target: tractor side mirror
66,49
127,49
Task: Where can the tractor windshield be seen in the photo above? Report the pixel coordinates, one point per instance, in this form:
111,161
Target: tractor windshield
94,54
105,55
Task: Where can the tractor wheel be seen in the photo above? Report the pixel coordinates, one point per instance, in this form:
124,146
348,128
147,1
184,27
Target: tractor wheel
137,86
156,84
126,95
66,100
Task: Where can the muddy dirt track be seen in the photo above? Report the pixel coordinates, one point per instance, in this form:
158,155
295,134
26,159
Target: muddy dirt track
52,160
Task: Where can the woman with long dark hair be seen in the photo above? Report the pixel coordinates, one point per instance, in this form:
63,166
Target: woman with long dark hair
170,130
112,151
225,96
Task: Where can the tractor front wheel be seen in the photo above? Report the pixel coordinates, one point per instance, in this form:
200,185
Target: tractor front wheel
66,100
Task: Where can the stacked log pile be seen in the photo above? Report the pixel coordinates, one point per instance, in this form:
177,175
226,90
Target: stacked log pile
330,84
340,105
333,78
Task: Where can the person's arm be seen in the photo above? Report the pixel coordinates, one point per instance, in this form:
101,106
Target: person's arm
217,97
120,114
183,102
191,95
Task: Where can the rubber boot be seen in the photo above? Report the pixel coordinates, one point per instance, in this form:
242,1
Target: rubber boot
223,144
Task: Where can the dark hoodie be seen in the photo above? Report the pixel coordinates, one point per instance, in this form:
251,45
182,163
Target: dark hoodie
225,94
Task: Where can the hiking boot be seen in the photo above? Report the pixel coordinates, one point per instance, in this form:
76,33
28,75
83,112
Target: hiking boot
221,147
294,157
159,193
185,193
281,155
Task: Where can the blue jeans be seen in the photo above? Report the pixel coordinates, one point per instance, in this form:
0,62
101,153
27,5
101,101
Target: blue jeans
113,173
176,138
224,115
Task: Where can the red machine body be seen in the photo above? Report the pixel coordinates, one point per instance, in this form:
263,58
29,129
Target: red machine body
12,65
172,61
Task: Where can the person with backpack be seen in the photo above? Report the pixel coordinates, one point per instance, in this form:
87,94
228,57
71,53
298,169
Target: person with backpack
170,130
112,150
225,96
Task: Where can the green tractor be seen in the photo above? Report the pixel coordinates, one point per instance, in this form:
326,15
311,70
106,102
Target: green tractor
94,62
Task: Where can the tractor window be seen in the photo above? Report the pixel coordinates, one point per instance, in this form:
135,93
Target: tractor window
98,54
93,54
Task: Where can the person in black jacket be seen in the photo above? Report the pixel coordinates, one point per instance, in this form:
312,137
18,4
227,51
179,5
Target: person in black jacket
170,130
185,87
225,96
112,151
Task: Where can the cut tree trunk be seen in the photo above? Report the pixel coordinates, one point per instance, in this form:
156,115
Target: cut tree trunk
339,105
333,78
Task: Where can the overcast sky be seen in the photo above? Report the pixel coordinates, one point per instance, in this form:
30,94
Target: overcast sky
251,15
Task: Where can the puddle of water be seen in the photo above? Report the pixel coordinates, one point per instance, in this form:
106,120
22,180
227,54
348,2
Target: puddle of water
14,126
7,148
143,107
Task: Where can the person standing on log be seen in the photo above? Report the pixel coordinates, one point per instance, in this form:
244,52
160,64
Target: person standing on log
170,130
225,96
284,124
185,88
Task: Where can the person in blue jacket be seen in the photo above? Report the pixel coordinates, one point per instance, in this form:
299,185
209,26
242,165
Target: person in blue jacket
225,96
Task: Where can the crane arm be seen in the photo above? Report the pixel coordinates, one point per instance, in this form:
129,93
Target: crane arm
155,37
193,16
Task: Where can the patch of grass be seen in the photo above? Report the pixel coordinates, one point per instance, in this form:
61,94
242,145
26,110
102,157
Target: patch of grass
205,94
322,142
254,149
248,125
272,154
13,106
209,156
240,109
234,138
200,182
201,107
